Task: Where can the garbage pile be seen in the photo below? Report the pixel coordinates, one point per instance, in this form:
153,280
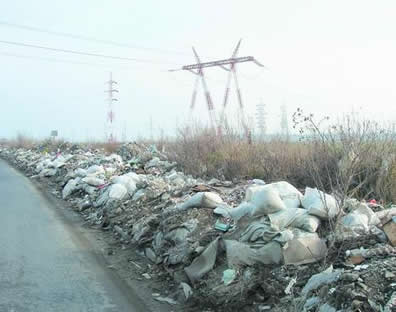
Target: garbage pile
249,245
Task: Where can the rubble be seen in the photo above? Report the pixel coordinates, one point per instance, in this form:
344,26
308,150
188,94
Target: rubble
391,304
117,191
94,181
187,290
326,277
390,231
204,263
226,243
70,187
305,250
386,215
165,299
229,276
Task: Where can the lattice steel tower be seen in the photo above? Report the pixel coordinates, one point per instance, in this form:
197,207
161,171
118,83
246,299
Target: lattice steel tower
110,113
261,121
228,65
284,123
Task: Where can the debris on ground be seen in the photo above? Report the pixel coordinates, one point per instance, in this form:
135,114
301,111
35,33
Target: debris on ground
222,245
390,231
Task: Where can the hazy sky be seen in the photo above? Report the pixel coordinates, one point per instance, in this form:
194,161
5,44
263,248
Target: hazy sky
328,57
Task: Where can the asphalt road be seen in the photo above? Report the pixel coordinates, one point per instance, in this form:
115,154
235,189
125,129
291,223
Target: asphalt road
45,265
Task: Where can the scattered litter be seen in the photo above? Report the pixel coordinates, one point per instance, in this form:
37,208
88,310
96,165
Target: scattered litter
192,229
146,276
327,308
390,231
186,289
264,308
166,299
222,226
391,304
229,276
289,287
135,264
203,263
361,267
326,277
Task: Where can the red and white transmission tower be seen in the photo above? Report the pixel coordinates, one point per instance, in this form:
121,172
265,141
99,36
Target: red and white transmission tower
110,113
200,75
230,66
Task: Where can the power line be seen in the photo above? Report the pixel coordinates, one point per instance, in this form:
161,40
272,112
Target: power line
83,53
50,59
55,60
87,38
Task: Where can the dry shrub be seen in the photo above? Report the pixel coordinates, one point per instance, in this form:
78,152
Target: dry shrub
111,147
51,145
355,151
203,153
386,182
350,158
196,151
26,142
22,141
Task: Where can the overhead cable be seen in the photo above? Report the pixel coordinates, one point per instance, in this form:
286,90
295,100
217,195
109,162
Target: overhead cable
51,59
88,38
84,53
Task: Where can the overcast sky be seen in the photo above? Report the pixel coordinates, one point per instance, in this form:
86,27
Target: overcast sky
328,57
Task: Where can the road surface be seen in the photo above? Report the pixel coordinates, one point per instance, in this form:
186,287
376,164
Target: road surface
45,264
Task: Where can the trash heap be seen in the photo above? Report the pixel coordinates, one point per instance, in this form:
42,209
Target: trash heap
224,244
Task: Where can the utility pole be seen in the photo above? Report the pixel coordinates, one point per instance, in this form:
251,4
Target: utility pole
284,122
261,116
110,113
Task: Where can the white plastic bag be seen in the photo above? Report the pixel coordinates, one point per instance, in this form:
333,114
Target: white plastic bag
126,181
320,204
117,191
288,193
202,200
92,180
266,200
295,217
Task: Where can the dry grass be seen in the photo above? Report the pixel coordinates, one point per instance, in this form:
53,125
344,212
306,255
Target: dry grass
351,158
200,152
22,141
